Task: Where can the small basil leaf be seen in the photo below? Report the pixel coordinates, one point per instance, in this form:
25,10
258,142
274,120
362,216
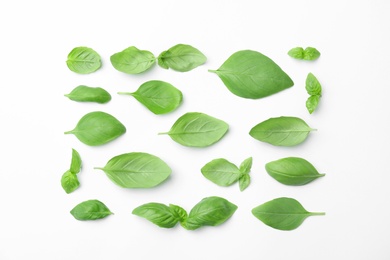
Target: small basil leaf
296,53
179,212
246,166
250,74
197,130
69,182
211,211
312,103
132,60
292,171
244,181
313,86
181,57
157,213
281,131
97,128
83,60
75,165
282,213
221,172
136,170
90,210
311,53
89,94
158,96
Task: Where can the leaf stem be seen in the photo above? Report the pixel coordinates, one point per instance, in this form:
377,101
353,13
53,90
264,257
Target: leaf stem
313,129
98,168
163,133
125,93
213,71
317,213
68,132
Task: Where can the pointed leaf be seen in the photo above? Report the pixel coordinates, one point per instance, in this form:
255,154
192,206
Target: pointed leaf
313,86
132,60
179,212
244,181
221,172
69,182
181,57
75,165
157,213
296,53
83,60
312,103
90,210
311,53
246,166
89,94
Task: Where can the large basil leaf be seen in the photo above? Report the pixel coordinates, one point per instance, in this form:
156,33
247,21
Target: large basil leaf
197,130
133,60
69,182
160,214
136,170
281,131
292,171
90,210
97,128
181,57
83,60
158,96
89,94
250,74
283,213
210,211
75,165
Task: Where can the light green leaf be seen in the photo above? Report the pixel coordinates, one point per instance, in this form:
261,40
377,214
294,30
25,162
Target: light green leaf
179,212
311,54
246,166
89,94
244,181
313,86
157,213
75,165
69,182
250,74
296,53
133,60
221,172
312,103
181,57
83,60
90,210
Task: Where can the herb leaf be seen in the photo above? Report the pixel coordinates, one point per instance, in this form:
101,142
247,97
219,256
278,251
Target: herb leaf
250,74
281,131
136,170
179,212
160,214
90,210
246,166
69,182
313,86
89,94
282,213
197,130
296,53
221,172
75,165
244,181
309,53
83,60
97,128
132,60
312,103
158,96
181,57
292,171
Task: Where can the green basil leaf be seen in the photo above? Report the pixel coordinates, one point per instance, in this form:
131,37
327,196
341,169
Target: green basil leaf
160,214
313,86
281,131
296,53
83,60
244,181
221,172
246,166
158,96
197,130
181,57
312,103
136,170
282,213
250,74
311,53
69,182
90,210
97,128
211,211
132,60
292,171
75,165
179,212
89,94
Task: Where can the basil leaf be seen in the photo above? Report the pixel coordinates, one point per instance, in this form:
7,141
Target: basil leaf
292,171
97,128
69,182
250,74
75,165
312,103
90,210
181,57
246,166
282,213
244,181
136,170
179,212
197,130
281,131
160,214
83,60
221,172
89,94
313,86
211,211
296,53
311,54
132,60
158,96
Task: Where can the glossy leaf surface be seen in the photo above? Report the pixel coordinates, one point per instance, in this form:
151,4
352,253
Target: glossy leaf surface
157,213
90,210
89,94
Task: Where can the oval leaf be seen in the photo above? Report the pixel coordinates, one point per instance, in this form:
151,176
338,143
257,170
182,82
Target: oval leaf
90,210
75,165
132,60
313,86
292,171
83,60
89,94
136,170
160,214
158,96
282,213
296,53
244,181
312,103
69,182
181,58
246,166
197,130
281,131
250,74
311,54
221,172
211,211
97,128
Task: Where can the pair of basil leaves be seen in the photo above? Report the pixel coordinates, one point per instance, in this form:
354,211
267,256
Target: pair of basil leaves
69,180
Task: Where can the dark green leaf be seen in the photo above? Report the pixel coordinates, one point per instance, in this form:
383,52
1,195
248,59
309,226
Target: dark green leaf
160,214
75,165
90,210
132,60
69,182
221,172
83,60
250,74
89,94
181,58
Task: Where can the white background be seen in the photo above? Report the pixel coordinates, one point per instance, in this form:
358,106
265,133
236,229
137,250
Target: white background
351,145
